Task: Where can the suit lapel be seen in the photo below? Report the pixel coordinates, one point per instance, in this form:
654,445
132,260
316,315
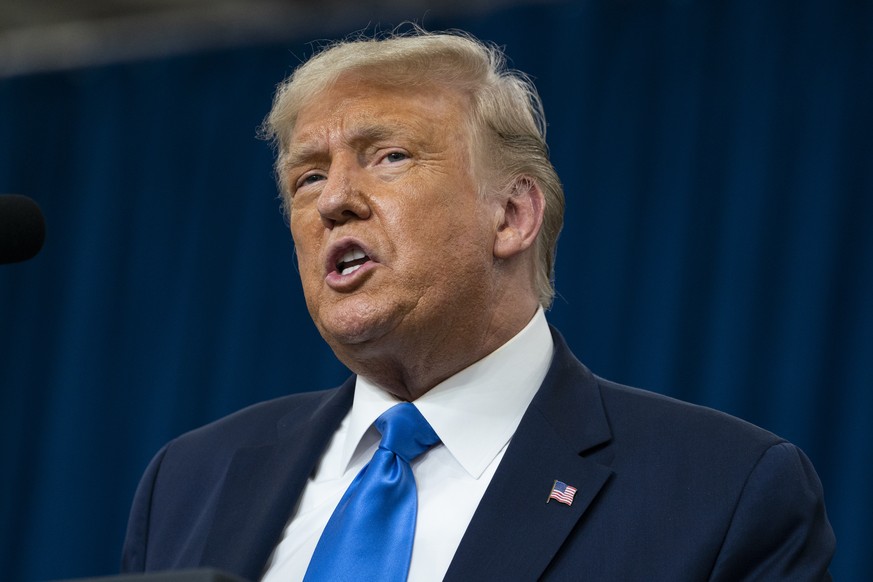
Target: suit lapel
263,484
514,533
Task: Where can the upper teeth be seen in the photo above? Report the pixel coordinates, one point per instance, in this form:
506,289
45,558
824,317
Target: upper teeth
353,254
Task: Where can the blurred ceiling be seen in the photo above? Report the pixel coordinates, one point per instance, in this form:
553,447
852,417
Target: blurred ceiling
40,35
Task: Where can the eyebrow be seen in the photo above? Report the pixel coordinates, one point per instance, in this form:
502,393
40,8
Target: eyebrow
298,155
367,133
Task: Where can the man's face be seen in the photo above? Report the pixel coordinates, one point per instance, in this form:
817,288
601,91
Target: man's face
394,244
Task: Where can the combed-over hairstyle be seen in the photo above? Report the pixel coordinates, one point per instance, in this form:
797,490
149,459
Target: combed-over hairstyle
507,119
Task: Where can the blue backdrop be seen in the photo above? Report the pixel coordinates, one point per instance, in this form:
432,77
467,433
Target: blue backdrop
718,163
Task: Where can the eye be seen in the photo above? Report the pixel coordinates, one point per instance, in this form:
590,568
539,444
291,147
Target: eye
394,157
308,179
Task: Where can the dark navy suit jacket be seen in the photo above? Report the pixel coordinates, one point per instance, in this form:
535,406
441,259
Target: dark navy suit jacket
666,491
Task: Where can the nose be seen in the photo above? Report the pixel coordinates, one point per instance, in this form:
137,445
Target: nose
342,197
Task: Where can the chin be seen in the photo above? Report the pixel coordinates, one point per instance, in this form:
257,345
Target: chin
354,327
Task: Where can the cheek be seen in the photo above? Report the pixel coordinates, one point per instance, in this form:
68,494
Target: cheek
444,244
301,226
307,247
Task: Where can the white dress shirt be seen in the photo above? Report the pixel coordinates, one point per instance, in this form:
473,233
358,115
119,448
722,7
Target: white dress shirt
475,413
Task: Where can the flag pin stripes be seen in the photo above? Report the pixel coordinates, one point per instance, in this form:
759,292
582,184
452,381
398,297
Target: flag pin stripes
562,493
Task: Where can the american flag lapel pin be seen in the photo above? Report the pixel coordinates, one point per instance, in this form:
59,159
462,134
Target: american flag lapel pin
562,493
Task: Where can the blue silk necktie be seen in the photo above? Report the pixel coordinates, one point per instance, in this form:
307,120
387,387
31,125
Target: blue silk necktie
370,534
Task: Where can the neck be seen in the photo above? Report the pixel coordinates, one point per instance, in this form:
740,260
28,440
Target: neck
409,367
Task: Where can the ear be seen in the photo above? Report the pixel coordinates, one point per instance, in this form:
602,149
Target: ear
521,218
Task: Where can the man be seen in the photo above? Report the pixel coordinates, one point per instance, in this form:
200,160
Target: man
425,213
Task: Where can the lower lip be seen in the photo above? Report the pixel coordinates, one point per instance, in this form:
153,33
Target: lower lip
340,282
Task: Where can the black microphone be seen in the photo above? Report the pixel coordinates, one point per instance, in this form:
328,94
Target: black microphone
22,228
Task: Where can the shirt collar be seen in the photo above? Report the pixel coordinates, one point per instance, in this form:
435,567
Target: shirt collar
476,411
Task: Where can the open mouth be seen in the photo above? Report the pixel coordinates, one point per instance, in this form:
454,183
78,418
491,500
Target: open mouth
351,260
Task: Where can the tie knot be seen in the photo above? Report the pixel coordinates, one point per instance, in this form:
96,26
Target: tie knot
405,432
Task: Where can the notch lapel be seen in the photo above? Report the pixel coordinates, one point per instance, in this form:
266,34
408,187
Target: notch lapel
264,483
514,533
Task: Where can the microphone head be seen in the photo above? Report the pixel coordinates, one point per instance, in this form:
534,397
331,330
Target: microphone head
22,228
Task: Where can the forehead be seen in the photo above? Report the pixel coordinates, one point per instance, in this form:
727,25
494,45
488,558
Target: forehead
360,108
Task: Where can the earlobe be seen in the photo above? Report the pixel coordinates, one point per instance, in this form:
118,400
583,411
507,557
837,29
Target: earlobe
522,217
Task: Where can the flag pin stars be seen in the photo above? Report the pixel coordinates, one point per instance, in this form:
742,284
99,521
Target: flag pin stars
562,493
